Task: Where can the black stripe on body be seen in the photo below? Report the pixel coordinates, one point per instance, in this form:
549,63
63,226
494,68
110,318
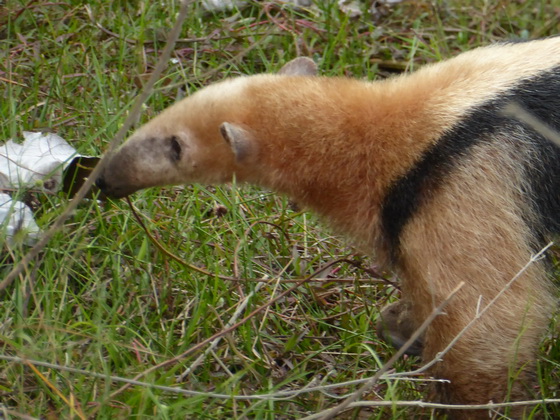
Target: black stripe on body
540,96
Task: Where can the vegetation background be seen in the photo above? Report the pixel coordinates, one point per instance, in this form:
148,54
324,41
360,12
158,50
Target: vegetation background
103,298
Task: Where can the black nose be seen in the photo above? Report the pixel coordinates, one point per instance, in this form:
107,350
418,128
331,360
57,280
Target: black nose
101,184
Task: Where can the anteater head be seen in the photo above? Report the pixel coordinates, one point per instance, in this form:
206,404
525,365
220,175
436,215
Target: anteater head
203,138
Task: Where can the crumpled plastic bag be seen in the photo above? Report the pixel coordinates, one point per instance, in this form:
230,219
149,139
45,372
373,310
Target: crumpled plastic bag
37,163
17,222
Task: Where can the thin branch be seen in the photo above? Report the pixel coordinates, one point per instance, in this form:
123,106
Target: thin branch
206,272
169,253
128,123
281,395
332,412
214,343
314,280
244,238
423,404
197,347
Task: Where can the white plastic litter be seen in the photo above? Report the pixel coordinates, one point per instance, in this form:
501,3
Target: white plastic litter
37,163
222,5
17,220
351,8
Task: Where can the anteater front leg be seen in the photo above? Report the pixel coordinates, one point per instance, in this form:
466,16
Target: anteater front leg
396,324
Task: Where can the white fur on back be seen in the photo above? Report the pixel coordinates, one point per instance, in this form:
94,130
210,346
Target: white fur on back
473,77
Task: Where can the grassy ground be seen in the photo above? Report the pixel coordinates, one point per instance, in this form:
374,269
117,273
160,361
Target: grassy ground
102,298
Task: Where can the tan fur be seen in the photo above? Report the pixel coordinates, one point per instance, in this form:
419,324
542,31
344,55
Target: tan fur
336,145
485,248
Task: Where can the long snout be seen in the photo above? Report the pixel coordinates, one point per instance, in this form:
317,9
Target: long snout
138,164
117,178
101,184
111,190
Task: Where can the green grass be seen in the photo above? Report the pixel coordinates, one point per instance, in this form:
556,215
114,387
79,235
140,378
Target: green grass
102,298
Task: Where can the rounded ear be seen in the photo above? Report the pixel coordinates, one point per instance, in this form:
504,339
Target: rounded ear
240,140
301,66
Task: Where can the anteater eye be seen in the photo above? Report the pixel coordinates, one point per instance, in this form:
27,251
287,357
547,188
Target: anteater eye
174,149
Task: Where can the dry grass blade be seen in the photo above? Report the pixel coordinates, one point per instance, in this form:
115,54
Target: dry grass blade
214,343
74,408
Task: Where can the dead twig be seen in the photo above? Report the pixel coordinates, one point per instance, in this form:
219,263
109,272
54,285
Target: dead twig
245,235
197,347
332,412
240,308
169,253
236,277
